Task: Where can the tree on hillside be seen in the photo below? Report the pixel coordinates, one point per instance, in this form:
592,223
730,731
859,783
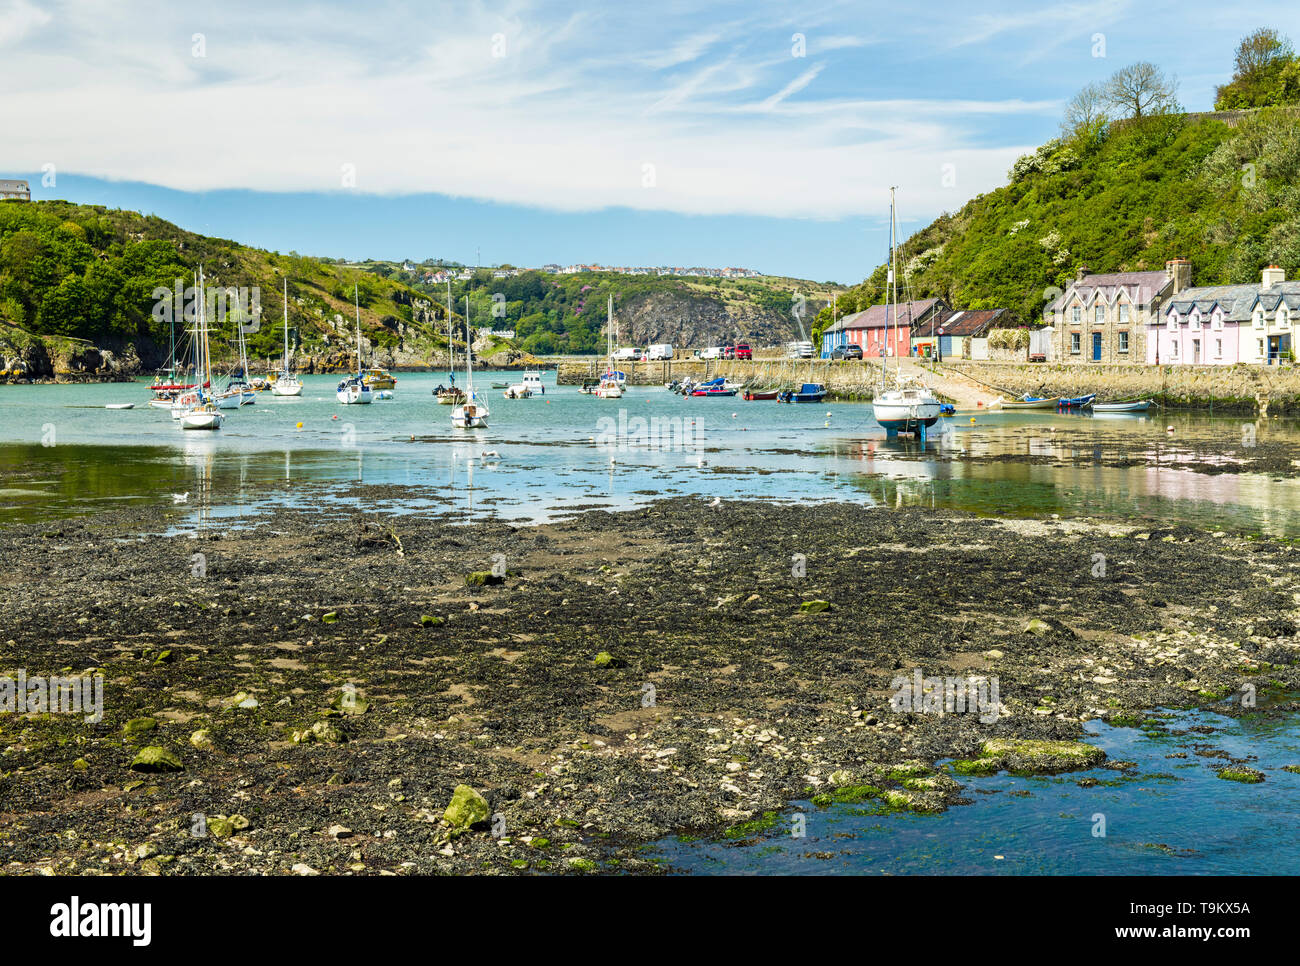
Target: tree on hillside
1267,73
1260,50
1140,90
1087,111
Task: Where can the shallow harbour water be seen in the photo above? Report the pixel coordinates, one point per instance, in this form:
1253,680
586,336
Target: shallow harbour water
1168,816
62,453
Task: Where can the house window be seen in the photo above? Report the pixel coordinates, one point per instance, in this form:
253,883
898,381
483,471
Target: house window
1218,348
1216,321
1282,316
1098,315
1076,315
1123,314
1173,321
1194,322
1074,342
1123,342
1259,318
1173,350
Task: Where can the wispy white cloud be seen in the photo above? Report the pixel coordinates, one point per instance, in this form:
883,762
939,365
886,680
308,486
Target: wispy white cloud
18,18
796,85
519,104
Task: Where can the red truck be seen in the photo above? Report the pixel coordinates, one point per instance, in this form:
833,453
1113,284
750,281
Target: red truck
743,351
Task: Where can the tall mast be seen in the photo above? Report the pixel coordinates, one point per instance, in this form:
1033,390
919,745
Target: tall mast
356,301
469,352
286,325
893,274
451,350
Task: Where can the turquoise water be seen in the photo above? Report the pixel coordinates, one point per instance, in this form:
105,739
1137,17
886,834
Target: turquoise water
553,455
1168,816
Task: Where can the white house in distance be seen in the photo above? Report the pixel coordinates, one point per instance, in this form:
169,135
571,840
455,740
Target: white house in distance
1220,325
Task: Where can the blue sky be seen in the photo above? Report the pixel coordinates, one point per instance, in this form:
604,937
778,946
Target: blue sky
754,134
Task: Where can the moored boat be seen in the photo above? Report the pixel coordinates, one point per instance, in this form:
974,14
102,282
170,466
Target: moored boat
1032,402
1136,406
754,395
353,390
809,392
1076,402
286,383
472,413
377,378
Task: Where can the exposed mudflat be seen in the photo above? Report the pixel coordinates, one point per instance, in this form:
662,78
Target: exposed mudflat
636,674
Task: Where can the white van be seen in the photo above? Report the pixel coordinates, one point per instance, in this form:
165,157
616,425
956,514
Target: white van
799,350
627,354
657,353
712,352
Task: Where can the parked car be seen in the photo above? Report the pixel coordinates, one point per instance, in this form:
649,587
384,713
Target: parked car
728,352
659,352
743,351
849,351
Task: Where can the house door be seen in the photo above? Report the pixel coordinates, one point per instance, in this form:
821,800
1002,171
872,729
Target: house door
1096,347
1196,352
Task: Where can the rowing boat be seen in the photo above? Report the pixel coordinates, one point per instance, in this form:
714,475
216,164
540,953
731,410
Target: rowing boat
1139,406
1032,403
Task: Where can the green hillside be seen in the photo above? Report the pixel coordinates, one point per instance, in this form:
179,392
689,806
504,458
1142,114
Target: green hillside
85,272
1127,197
1122,192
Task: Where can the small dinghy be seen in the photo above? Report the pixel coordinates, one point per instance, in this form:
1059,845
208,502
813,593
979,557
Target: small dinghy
809,392
1077,402
1139,406
1032,402
120,406
754,395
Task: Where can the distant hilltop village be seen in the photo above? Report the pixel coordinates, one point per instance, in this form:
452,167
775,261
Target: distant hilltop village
461,274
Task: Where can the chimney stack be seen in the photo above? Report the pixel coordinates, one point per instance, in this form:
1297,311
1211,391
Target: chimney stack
1082,271
1272,276
1179,271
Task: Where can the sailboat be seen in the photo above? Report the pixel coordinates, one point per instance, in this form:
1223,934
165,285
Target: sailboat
238,391
611,381
353,390
197,409
450,395
473,412
907,408
286,384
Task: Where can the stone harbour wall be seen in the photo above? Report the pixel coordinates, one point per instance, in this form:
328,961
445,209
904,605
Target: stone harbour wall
844,379
1231,389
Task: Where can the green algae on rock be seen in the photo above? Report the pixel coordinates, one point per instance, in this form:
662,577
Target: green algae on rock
1240,773
467,808
155,758
1037,757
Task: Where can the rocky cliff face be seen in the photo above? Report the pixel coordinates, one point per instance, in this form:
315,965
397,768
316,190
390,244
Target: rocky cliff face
683,319
28,358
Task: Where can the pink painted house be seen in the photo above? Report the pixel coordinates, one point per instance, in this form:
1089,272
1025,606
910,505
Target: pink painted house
1221,325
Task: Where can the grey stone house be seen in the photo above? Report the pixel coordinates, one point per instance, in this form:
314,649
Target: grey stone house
1106,318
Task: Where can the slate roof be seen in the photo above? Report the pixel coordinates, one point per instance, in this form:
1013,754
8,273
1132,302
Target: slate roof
1141,288
881,316
970,323
1237,301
